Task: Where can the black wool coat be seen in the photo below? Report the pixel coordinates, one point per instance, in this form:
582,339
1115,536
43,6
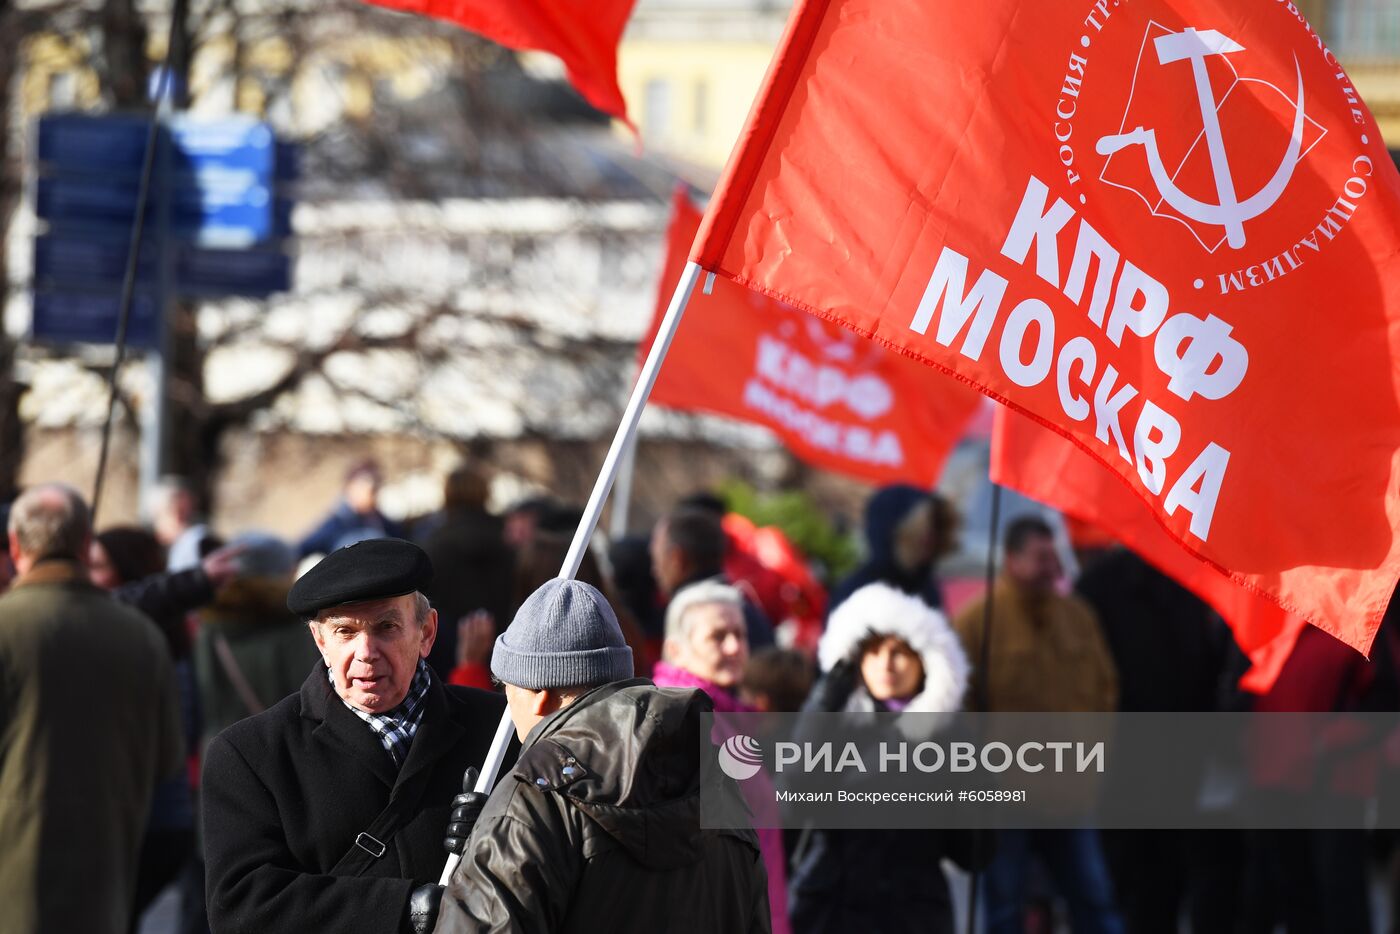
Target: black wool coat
286,794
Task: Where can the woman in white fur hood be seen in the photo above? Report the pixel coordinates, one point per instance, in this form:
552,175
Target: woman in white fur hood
884,650
893,652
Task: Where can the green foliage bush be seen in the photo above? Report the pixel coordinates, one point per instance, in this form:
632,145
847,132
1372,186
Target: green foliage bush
833,552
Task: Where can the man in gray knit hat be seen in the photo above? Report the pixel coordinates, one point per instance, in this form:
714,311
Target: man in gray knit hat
597,827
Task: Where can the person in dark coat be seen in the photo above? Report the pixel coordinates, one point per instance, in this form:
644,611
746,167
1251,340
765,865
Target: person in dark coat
906,531
355,518
1171,652
131,563
328,812
597,828
884,651
471,542
89,723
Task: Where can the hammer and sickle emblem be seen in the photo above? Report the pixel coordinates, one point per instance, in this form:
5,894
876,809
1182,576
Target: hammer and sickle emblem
1230,212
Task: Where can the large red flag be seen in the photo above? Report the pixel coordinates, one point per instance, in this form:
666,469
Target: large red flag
835,400
1043,465
583,35
1168,229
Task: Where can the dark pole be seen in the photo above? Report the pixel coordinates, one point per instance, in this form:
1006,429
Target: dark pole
177,56
984,691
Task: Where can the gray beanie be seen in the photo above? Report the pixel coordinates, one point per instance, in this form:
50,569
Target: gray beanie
564,635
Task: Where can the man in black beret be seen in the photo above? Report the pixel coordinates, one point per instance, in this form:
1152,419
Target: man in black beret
328,811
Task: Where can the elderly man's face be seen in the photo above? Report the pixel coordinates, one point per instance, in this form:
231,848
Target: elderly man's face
715,645
372,649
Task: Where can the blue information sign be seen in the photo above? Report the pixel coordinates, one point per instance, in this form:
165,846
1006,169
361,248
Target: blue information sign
214,213
67,261
71,317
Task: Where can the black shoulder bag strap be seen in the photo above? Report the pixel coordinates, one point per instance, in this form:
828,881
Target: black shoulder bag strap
374,842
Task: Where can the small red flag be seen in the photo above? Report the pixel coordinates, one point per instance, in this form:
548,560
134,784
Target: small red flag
1168,229
836,401
583,35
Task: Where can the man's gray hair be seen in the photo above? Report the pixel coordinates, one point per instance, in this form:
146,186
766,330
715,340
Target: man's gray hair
51,521
702,593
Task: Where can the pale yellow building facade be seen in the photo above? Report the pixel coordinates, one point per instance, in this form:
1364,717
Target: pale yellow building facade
690,68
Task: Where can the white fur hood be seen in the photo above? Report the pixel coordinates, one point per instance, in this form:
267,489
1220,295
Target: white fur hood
884,610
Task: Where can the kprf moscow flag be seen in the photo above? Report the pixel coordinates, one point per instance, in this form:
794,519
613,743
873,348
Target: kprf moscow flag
836,401
584,35
1168,229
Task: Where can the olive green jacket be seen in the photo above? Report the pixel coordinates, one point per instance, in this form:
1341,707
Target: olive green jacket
89,721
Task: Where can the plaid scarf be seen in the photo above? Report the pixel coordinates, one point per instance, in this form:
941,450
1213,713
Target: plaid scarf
396,727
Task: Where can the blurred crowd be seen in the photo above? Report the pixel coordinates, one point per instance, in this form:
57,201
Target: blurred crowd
706,600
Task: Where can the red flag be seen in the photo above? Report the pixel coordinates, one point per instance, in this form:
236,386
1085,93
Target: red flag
583,35
1044,466
836,401
1169,229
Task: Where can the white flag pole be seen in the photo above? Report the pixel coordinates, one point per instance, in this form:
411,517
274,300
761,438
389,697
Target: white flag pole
622,441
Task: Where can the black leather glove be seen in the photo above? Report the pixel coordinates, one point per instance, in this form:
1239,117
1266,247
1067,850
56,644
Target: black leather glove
836,686
423,907
466,808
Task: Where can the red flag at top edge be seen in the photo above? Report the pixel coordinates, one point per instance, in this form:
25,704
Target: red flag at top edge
583,36
1043,465
1168,230
836,401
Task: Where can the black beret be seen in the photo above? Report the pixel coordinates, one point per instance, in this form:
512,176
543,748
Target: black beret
368,570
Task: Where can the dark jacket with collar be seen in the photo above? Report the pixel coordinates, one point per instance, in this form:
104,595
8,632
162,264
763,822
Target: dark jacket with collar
597,828
286,794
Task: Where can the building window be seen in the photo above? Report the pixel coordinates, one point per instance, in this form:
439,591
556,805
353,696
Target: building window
1367,30
701,122
656,108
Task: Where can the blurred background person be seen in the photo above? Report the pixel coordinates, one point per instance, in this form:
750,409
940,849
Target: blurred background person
776,680
706,648
89,723
130,562
689,546
355,517
176,519
475,566
906,531
883,650
523,517
1171,653
251,651
1045,654
760,585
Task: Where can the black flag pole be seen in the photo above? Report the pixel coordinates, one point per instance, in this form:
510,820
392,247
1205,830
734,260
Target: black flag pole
982,700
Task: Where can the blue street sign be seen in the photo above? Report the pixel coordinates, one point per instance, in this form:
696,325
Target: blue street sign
115,145
255,273
66,261
75,262
73,317
216,215
219,180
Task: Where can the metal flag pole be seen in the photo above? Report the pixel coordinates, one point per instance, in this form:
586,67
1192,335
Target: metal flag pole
621,442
